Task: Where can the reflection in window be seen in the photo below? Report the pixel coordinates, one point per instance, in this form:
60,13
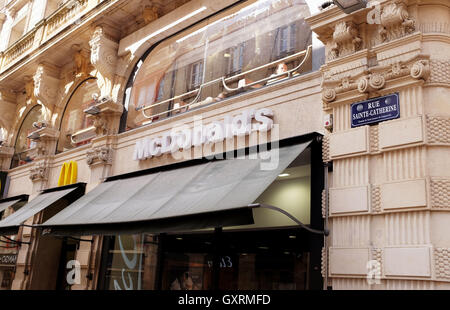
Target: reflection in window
235,57
196,72
131,262
76,127
24,148
253,35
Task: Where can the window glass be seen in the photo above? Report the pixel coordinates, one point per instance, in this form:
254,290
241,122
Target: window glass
76,127
185,71
24,146
131,262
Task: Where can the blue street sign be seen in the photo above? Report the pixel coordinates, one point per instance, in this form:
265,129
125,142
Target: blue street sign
375,110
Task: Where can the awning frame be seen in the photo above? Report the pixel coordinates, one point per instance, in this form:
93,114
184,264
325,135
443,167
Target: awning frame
78,192
244,213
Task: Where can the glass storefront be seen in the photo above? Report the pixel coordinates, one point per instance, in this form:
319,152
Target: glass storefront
8,251
213,59
75,123
23,148
271,254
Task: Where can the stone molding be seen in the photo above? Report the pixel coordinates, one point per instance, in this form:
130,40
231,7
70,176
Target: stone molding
376,78
99,155
437,132
442,263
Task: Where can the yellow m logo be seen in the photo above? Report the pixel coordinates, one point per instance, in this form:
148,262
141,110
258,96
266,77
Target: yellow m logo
68,174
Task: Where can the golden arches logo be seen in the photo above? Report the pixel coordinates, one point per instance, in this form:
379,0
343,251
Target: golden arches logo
68,174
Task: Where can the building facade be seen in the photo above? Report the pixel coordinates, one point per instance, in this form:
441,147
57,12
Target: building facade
118,118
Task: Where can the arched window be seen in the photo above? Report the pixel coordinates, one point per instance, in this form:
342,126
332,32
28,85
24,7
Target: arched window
76,128
248,46
23,149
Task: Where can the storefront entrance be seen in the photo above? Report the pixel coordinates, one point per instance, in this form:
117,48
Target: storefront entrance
274,259
258,260
273,253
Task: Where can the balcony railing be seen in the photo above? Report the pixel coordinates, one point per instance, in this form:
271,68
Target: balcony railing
243,85
69,13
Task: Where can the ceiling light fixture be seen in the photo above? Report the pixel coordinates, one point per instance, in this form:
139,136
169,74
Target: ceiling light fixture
283,175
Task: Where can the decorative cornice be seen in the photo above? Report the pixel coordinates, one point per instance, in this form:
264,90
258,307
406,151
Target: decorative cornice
99,155
376,78
39,172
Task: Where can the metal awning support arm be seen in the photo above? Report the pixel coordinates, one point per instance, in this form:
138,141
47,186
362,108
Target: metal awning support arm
13,241
314,231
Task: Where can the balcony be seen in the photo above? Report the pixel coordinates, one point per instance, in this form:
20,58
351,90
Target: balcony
71,13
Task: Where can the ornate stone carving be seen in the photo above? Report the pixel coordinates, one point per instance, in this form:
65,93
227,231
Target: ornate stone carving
329,94
440,193
442,263
421,69
39,172
334,87
324,203
150,13
326,149
345,40
104,58
438,129
374,139
395,22
377,254
100,155
440,71
376,78
45,84
324,262
371,82
80,61
29,90
376,199
45,140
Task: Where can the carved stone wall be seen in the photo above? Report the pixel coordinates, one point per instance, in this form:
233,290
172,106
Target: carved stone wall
389,180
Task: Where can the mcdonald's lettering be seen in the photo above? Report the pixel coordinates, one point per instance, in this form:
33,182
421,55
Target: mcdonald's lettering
68,174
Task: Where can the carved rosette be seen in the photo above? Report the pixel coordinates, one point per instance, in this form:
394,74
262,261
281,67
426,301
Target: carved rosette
395,22
329,95
421,69
417,68
99,155
39,172
345,40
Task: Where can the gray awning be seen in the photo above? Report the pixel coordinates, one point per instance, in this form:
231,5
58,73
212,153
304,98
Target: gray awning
6,204
212,194
11,224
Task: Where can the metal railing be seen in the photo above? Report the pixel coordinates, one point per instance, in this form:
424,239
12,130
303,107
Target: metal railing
288,74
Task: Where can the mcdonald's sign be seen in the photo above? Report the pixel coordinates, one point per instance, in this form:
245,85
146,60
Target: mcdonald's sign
68,174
